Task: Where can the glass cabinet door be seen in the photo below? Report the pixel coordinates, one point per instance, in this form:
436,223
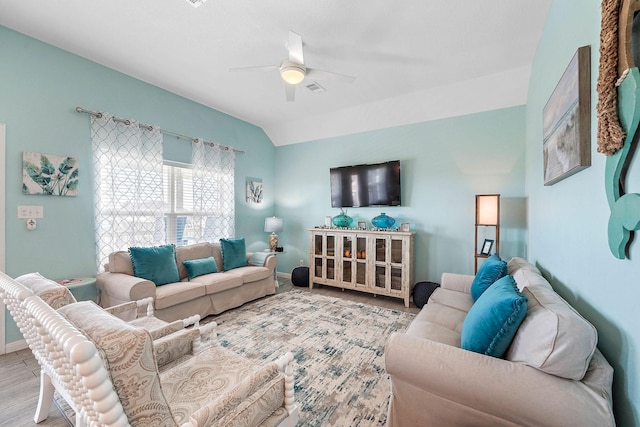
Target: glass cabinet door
361,261
318,245
331,245
396,251
324,251
396,279
381,249
317,267
347,259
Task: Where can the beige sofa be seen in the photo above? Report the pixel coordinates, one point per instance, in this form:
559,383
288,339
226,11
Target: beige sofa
552,373
203,295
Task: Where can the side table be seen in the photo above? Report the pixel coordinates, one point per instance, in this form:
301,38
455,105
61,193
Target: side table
82,288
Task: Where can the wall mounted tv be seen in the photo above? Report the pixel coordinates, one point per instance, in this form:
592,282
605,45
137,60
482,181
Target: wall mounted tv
366,185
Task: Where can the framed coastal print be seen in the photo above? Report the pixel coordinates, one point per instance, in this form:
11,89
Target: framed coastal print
566,128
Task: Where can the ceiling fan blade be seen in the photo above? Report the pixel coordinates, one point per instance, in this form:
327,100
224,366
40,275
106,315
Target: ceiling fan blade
290,92
259,67
295,48
314,73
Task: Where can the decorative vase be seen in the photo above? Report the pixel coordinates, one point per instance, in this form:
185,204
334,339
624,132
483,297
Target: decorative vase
383,221
342,220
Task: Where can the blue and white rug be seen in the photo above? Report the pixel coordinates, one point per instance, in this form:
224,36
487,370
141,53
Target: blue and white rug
338,347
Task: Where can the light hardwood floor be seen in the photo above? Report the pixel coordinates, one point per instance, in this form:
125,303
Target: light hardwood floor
20,373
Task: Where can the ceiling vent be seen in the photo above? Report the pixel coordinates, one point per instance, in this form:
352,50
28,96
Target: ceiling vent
315,87
196,3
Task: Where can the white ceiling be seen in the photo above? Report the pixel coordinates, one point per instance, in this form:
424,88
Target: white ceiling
415,60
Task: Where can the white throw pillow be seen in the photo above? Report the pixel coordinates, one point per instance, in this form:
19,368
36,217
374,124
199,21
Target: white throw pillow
553,337
525,278
517,263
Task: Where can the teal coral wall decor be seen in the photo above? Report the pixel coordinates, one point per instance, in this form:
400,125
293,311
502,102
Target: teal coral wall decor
625,208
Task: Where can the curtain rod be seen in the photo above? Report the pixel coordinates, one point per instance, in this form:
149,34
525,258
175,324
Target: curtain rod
166,132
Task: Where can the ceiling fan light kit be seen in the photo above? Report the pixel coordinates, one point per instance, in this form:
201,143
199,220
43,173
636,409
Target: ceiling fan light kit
293,70
292,73
196,3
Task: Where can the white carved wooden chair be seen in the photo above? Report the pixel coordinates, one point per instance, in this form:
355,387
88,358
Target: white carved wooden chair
94,359
14,294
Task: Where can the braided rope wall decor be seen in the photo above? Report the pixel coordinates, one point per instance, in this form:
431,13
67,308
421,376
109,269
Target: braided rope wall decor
610,133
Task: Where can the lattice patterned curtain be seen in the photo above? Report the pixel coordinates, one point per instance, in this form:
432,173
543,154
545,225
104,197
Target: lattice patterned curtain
213,191
129,204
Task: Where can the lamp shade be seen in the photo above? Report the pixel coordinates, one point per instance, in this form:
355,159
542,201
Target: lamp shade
272,224
487,209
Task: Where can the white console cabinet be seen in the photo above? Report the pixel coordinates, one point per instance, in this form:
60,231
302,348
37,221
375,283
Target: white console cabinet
377,262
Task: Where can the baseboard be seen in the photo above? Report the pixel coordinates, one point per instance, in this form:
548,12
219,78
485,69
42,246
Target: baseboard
16,346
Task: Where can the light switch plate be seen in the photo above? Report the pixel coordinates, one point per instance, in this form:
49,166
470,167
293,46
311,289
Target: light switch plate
25,212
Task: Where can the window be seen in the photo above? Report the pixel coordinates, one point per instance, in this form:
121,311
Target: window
178,204
186,221
141,200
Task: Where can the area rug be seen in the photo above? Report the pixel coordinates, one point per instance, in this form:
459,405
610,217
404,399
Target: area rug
338,348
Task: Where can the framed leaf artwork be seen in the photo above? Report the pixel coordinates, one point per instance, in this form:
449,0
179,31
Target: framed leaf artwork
254,190
49,174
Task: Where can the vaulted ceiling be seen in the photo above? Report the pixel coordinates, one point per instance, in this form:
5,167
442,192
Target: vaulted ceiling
413,60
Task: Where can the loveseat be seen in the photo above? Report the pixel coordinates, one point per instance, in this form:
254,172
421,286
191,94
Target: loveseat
239,277
551,373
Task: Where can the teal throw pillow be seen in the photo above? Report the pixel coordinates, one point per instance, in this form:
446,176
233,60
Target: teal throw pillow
492,269
234,254
494,319
200,267
157,263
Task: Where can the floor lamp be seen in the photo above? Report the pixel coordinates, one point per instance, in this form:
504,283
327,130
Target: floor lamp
487,215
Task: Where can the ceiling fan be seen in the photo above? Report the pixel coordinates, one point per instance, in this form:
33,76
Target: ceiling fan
293,70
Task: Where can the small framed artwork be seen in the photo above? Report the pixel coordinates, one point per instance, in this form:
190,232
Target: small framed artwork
566,122
49,174
362,225
405,226
254,190
486,247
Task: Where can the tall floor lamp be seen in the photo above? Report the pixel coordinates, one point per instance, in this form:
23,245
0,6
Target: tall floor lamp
487,215
273,225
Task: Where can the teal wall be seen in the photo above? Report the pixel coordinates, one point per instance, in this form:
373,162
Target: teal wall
568,221
41,86
444,163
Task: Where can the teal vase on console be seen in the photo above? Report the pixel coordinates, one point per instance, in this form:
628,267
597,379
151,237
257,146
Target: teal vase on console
383,221
342,220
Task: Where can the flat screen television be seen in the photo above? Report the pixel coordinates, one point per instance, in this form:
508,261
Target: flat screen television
366,185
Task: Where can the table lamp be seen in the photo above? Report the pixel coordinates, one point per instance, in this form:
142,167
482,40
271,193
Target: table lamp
273,225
